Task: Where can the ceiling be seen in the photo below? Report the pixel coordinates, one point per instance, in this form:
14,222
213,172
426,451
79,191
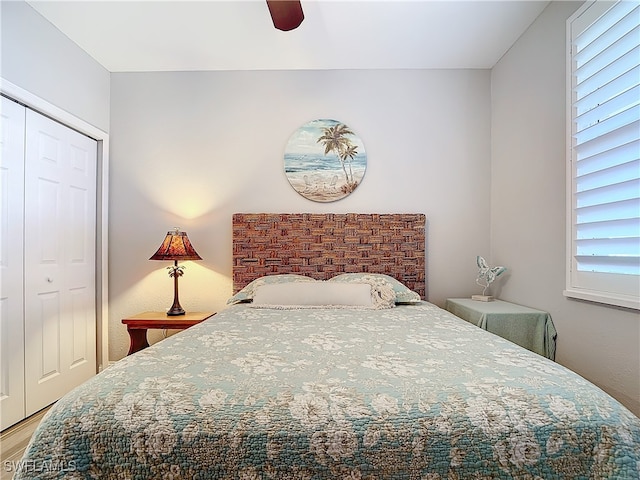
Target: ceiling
148,35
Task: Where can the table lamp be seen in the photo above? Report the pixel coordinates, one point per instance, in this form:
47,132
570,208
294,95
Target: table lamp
176,246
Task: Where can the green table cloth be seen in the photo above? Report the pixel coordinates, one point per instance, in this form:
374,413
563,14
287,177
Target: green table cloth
530,328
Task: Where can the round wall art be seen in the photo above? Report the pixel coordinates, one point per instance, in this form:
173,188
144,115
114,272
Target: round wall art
324,160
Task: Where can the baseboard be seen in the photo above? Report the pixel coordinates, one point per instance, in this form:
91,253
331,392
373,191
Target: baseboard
17,437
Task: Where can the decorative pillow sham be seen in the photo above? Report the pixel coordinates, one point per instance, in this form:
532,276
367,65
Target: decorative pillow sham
247,293
402,293
318,294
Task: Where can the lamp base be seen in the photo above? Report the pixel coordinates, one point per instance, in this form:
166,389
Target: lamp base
482,298
175,311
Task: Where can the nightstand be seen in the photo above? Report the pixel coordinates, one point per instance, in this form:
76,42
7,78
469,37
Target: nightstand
137,325
530,328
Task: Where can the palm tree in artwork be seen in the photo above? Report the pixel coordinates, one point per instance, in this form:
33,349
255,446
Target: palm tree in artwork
348,155
334,140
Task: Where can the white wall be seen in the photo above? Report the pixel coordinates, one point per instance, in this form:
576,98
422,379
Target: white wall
190,149
42,68
37,57
528,209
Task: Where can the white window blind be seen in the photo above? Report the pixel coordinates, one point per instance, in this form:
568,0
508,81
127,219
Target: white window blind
604,163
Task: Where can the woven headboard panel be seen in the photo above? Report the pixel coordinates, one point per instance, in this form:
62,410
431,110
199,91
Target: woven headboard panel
321,245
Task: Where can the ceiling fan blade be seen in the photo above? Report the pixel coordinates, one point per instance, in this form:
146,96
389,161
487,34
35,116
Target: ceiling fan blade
286,14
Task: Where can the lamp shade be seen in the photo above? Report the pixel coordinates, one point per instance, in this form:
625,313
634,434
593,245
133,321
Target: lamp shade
176,246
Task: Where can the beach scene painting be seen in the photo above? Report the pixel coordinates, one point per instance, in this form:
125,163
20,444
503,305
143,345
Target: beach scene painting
324,160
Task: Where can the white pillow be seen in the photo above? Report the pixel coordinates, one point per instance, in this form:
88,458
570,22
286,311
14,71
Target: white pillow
401,292
246,294
314,294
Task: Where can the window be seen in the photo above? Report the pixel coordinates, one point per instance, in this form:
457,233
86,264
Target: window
604,153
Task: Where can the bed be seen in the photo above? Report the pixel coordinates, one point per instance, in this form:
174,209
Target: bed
329,364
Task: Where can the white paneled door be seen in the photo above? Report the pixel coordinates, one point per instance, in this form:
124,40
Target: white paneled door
47,261
12,124
60,213
59,260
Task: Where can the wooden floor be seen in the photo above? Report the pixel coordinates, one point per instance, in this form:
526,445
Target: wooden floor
13,442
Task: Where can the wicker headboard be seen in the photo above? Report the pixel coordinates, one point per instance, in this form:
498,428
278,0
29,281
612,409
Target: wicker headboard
321,245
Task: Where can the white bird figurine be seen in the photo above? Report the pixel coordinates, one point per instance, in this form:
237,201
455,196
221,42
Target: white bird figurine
486,276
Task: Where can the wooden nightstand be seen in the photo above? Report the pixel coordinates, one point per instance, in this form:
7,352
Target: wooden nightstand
137,325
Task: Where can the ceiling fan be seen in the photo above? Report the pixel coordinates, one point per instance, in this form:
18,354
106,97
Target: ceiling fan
286,14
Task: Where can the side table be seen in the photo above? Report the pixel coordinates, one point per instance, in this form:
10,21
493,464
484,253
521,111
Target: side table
137,325
530,328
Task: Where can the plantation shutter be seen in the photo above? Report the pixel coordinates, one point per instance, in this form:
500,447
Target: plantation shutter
605,152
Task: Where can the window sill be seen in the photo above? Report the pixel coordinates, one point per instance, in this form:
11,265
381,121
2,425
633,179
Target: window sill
624,301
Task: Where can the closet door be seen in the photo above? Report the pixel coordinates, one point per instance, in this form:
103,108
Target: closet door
12,408
60,226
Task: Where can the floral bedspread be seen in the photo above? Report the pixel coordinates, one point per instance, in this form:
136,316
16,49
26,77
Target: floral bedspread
410,392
